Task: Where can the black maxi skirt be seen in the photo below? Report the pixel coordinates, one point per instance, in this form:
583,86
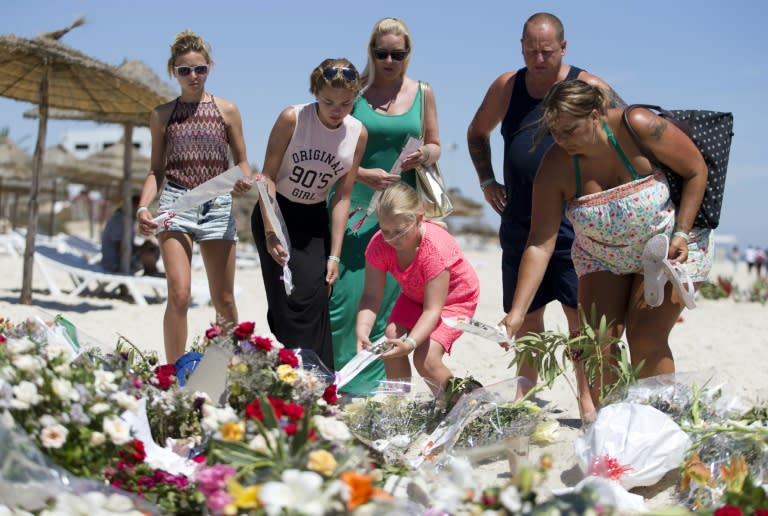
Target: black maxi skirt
302,319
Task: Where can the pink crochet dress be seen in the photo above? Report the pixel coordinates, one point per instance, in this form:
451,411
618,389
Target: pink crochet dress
438,251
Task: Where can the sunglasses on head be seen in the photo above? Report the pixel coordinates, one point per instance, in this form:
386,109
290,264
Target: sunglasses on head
183,71
348,74
396,55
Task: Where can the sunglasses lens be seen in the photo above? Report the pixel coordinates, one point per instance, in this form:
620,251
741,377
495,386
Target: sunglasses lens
332,71
201,69
396,55
183,70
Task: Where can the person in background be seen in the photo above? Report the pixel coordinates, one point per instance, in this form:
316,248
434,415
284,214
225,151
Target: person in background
311,148
514,101
436,281
143,257
390,109
750,256
191,138
617,202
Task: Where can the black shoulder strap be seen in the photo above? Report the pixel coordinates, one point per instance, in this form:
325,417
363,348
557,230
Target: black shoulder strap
640,145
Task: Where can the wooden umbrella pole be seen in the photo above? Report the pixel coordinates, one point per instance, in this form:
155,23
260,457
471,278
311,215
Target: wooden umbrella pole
37,167
126,245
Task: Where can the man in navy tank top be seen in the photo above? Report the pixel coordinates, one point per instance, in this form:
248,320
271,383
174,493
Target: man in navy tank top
514,100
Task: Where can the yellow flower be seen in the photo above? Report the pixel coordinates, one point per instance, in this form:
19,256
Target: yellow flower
245,497
735,474
287,374
322,462
232,431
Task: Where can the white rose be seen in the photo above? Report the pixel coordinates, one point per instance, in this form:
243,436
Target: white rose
63,369
126,401
27,363
17,346
7,373
117,430
104,381
53,436
26,394
64,389
332,429
97,439
99,408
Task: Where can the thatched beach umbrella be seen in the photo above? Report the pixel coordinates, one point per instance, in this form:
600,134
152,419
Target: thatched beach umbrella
137,71
48,73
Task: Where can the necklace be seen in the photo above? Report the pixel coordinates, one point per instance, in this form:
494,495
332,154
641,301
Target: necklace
384,102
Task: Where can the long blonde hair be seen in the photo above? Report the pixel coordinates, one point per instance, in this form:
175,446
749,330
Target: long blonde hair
188,41
386,26
399,200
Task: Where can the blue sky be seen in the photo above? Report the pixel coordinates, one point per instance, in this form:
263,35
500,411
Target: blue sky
679,54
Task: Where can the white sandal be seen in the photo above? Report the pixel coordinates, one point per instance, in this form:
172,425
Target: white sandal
680,279
654,259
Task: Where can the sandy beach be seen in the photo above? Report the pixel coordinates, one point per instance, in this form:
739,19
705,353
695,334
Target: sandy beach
727,337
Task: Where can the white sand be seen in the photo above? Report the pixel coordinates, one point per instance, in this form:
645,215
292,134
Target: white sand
729,337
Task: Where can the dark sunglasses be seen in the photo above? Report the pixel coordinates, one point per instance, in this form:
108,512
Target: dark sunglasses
331,72
396,55
183,71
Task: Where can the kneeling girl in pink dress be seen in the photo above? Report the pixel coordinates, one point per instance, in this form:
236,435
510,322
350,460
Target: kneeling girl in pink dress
436,281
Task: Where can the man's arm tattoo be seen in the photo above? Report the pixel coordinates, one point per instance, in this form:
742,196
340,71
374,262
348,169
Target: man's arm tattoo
480,152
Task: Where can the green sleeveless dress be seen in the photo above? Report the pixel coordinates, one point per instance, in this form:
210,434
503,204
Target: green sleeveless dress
386,136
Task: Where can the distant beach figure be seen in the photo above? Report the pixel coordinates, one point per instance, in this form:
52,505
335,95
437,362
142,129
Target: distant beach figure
750,256
514,100
436,280
760,257
191,138
390,109
617,203
311,148
143,257
734,256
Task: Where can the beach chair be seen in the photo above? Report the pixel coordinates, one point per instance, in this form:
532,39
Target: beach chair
85,275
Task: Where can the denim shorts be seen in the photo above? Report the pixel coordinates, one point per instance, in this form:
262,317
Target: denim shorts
212,220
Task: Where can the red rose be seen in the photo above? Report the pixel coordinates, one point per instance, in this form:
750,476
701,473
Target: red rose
244,330
728,510
2,339
253,410
329,395
212,332
287,356
277,406
293,411
165,376
262,343
761,512
290,429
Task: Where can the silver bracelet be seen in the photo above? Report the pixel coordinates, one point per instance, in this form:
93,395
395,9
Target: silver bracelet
334,259
488,182
140,210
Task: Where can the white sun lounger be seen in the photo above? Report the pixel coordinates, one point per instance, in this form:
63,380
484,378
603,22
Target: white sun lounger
85,275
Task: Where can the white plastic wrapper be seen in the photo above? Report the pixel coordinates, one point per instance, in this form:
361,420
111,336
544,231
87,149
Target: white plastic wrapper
632,444
219,185
278,225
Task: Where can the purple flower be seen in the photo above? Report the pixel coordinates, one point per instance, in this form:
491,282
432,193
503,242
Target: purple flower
217,501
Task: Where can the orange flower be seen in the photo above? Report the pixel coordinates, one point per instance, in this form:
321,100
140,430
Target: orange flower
734,475
361,489
697,471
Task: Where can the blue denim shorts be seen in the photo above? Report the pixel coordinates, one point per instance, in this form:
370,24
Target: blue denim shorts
212,220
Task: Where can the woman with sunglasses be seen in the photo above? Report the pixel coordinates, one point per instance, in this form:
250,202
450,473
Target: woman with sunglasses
191,138
311,148
390,108
436,279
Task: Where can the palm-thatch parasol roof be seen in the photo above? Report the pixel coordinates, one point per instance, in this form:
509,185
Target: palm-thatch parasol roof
14,162
134,70
50,74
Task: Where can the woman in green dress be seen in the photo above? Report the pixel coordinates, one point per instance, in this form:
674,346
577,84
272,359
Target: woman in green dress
390,109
